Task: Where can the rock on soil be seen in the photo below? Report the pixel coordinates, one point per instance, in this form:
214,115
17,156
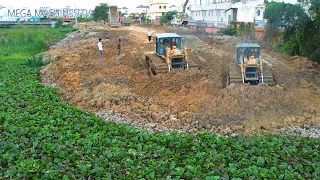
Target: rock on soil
305,131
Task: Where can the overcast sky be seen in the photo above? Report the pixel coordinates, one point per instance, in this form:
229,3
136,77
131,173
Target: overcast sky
85,4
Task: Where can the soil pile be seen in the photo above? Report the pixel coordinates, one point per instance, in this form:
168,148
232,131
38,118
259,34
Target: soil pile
188,100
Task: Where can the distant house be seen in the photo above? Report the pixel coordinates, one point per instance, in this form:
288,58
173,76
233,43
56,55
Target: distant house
33,18
124,10
141,9
173,8
222,12
1,13
157,9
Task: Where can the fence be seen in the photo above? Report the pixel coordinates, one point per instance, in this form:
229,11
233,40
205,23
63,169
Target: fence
8,24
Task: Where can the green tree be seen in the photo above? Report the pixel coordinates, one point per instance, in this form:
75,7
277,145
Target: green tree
82,18
184,15
133,15
301,35
101,12
291,16
165,18
311,35
121,13
144,18
59,23
313,7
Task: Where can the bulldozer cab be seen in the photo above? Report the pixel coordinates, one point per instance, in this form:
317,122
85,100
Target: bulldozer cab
248,57
246,51
167,40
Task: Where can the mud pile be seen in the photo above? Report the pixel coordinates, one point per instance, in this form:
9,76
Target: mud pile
186,100
123,83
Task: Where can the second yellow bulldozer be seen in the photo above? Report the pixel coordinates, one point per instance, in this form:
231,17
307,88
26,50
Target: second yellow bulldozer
249,66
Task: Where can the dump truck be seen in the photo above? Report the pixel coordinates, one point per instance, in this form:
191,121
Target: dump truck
126,21
249,66
169,54
113,16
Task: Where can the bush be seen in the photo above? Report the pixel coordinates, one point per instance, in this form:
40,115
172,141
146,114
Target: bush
37,61
315,56
59,23
228,31
271,31
82,18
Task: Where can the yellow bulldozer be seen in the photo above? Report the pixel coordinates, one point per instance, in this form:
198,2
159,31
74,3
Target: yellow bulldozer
249,67
169,54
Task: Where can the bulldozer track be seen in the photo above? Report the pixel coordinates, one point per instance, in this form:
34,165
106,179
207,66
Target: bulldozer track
267,74
156,64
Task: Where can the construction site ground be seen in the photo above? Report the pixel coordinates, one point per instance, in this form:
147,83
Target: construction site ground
187,100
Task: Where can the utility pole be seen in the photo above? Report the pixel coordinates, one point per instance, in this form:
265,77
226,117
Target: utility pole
202,12
146,6
76,16
146,15
216,24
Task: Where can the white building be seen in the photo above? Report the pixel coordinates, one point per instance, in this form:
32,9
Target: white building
249,10
211,12
222,12
141,9
179,8
123,10
157,8
173,8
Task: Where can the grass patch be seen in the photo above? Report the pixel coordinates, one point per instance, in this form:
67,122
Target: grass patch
43,138
228,31
37,61
24,41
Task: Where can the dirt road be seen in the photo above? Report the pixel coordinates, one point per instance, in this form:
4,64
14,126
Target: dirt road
189,100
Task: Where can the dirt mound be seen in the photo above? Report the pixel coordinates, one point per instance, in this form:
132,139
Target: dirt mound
188,100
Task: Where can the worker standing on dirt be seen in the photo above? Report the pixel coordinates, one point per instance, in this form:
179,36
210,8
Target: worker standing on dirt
100,48
119,45
149,35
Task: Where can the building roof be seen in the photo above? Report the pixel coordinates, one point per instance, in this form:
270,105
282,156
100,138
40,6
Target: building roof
160,2
142,6
244,45
167,35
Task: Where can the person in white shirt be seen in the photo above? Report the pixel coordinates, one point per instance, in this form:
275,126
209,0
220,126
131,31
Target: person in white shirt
149,35
100,48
